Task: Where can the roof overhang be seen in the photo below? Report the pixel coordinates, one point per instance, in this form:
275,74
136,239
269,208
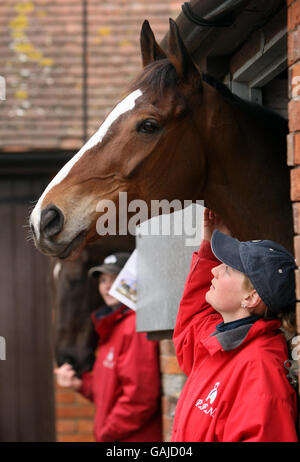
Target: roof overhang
244,38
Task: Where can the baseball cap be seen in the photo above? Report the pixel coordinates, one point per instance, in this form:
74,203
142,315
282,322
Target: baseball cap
268,265
112,264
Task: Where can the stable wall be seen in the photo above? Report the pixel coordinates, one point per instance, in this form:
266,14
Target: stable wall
293,139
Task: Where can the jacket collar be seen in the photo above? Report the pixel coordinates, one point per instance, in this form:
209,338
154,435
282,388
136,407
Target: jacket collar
104,319
231,339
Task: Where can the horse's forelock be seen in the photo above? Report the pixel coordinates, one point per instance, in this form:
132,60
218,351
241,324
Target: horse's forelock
156,78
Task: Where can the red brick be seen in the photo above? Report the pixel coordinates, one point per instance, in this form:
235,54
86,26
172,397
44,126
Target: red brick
74,411
293,46
85,426
290,149
294,15
298,316
294,115
293,149
296,146
296,217
297,250
64,396
71,143
169,365
83,400
65,426
297,278
295,184
76,438
113,60
167,347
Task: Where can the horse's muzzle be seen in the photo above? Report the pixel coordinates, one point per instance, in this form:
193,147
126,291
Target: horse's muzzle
52,221
47,229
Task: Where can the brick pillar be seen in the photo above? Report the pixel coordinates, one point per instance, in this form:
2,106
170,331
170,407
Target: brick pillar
74,417
293,141
172,379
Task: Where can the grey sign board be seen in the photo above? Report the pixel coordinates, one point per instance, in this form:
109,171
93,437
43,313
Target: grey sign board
163,262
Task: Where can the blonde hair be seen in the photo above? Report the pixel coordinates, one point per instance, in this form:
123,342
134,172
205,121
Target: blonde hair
286,316
247,284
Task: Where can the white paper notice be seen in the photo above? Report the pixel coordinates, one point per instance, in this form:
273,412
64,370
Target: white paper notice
124,287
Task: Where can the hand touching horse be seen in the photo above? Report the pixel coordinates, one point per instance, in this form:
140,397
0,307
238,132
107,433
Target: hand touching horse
177,135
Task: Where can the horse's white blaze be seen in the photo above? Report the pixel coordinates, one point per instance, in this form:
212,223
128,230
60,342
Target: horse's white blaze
125,105
56,270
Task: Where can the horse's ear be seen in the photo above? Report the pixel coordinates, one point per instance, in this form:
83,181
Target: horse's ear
180,57
150,49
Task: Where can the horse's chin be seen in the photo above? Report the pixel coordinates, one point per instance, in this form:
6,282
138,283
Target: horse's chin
73,250
67,252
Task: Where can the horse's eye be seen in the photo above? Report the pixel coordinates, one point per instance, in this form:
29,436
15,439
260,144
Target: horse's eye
148,126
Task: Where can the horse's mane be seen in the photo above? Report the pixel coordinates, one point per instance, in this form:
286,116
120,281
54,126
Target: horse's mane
255,109
161,75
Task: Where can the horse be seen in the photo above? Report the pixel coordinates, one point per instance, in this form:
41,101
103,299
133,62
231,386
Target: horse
75,297
178,134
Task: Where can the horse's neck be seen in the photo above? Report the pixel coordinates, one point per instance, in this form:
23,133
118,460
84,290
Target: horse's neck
245,182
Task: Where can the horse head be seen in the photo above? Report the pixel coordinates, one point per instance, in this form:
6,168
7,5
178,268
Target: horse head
145,148
178,134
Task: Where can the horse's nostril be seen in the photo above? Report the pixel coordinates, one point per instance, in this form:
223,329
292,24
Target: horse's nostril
52,221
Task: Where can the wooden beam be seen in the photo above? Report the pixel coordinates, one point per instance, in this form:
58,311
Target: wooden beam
263,56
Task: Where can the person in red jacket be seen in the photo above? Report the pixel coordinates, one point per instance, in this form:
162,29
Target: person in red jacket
229,344
125,381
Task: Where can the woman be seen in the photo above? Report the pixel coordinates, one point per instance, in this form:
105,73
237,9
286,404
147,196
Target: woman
125,381
228,342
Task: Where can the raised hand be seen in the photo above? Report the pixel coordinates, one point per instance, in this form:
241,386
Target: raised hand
213,221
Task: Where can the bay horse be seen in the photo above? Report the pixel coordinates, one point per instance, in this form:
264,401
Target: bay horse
75,297
178,134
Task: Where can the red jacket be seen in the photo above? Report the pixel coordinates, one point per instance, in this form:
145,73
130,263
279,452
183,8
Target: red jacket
125,381
237,388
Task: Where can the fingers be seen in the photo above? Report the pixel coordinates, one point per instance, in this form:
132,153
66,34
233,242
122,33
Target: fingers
210,217
213,221
64,375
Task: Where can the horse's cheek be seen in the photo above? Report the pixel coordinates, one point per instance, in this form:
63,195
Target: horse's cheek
137,156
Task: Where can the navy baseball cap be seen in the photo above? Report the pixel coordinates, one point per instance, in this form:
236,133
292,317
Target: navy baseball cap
269,266
112,264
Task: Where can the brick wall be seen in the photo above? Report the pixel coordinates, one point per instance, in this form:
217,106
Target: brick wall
74,416
172,380
294,128
42,56
41,60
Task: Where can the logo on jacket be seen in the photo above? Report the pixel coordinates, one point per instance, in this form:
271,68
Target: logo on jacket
206,407
213,393
109,360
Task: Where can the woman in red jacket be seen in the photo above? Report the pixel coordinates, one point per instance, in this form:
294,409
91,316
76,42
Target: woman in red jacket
125,381
228,342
